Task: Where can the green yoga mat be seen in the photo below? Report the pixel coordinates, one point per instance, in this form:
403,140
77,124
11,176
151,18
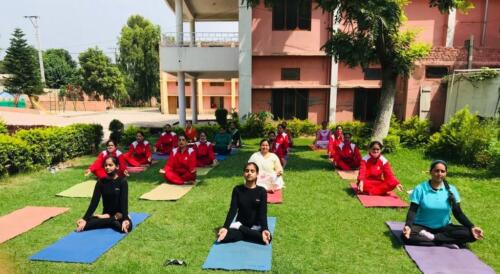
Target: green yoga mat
81,190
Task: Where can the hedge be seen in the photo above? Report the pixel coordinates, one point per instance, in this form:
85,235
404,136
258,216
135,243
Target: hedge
15,155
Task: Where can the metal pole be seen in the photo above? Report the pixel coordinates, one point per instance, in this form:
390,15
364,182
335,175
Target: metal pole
34,22
485,21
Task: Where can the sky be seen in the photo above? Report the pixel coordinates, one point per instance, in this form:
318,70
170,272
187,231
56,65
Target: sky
77,25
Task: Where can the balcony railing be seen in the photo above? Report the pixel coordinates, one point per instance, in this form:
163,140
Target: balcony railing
201,39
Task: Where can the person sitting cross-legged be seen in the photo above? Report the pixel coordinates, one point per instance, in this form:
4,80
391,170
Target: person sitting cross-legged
180,168
347,155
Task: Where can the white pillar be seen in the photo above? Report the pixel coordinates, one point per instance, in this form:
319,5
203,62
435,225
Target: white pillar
334,81
245,60
450,30
194,99
181,92
192,32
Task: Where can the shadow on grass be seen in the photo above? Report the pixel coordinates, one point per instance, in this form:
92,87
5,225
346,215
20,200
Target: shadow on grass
396,243
480,174
297,162
350,191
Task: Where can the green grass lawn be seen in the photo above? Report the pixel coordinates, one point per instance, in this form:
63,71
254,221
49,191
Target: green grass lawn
321,227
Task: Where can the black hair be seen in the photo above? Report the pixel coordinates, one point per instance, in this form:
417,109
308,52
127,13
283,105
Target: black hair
337,127
263,140
110,141
140,132
271,132
181,135
436,162
114,159
348,133
203,132
252,163
372,143
451,197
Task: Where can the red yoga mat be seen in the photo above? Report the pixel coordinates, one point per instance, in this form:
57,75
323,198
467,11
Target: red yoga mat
389,200
275,198
24,219
315,148
135,169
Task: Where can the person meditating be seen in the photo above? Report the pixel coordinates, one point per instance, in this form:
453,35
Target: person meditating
204,152
97,168
235,135
428,221
180,168
190,132
249,206
347,155
323,136
288,132
114,192
139,152
282,143
270,169
335,139
222,142
166,142
275,148
375,174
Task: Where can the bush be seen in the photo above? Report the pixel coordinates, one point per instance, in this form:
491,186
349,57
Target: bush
3,127
235,118
129,134
116,127
461,139
15,155
415,132
257,125
302,127
221,117
391,143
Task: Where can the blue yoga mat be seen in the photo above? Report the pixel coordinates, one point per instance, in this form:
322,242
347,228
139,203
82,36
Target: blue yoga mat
159,157
221,157
242,255
85,247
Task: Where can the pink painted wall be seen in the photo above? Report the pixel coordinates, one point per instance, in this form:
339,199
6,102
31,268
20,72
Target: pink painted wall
318,101
265,41
431,23
471,23
314,71
345,105
261,100
354,76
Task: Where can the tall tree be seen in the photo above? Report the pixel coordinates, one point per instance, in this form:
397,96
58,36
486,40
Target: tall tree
139,58
372,35
21,62
60,69
99,76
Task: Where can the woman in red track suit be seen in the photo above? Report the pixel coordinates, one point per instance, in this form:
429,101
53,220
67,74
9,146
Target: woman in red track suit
167,141
347,155
97,167
375,173
180,168
139,152
335,139
205,155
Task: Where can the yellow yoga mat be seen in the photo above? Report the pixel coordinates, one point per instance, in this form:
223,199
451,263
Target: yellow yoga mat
81,190
167,192
348,174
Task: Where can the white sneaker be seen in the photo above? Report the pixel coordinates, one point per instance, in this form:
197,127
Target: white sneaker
235,225
426,234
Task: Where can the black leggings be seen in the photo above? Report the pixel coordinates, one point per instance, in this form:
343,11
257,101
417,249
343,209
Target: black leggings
450,234
243,234
96,223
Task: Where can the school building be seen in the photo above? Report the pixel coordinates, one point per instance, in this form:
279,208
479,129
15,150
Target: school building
275,62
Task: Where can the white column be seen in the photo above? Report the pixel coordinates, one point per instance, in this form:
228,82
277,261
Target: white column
192,31
334,81
450,30
181,92
245,60
194,99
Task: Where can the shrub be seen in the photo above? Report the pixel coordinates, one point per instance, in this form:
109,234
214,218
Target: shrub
391,143
129,134
461,139
14,155
210,130
221,117
301,127
361,132
257,125
116,127
415,132
235,118
3,127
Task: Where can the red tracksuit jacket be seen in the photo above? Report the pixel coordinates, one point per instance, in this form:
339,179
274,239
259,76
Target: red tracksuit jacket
166,142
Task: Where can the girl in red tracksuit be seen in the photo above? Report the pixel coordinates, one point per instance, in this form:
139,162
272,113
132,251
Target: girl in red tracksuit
335,139
275,147
347,155
282,142
375,173
167,141
180,168
139,152
97,167
205,155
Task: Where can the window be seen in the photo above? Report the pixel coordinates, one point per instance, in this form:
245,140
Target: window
186,84
216,102
366,104
216,84
290,74
188,102
373,74
292,15
436,72
289,103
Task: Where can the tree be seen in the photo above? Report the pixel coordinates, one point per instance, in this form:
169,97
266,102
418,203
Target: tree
371,34
21,62
60,69
2,67
99,76
139,58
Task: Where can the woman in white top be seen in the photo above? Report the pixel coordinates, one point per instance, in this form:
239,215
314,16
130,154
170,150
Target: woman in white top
270,169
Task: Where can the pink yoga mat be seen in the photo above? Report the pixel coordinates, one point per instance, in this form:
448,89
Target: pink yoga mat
135,169
315,148
275,198
390,200
25,219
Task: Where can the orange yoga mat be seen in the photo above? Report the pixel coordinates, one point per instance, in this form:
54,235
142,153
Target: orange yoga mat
348,174
275,197
25,219
389,200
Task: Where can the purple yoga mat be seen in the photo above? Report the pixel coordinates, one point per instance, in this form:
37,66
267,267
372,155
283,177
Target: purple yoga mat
438,259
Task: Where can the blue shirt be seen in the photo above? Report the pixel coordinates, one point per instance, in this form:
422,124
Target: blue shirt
434,209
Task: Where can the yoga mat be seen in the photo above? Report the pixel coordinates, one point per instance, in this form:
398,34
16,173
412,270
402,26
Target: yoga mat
201,171
275,197
439,259
221,157
81,190
85,247
390,200
159,157
317,149
24,219
136,169
242,255
348,174
167,192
